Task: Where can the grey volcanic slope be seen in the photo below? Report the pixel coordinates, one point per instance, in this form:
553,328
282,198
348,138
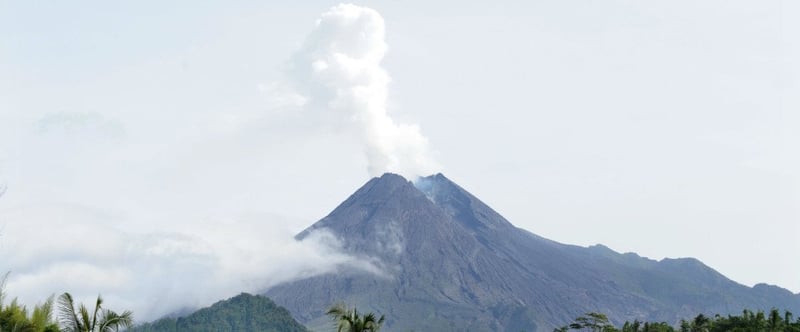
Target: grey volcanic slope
453,264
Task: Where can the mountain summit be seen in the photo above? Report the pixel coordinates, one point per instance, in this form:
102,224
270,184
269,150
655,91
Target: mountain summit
451,263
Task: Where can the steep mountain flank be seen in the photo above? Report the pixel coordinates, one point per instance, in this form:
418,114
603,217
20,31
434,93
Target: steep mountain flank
451,263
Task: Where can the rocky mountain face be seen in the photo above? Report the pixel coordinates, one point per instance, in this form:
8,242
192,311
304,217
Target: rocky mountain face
451,263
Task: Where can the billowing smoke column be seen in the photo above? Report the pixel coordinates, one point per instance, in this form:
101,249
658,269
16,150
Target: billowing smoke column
339,70
76,175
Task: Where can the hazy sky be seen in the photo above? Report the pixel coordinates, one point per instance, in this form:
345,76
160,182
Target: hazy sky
150,148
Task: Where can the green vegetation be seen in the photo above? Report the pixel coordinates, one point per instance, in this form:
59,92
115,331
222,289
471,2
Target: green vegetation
15,317
244,312
247,312
592,321
348,320
748,321
99,320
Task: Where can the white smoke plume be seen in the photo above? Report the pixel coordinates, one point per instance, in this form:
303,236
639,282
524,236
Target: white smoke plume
339,70
159,207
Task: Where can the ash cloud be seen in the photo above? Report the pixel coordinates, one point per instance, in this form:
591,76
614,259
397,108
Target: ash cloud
339,72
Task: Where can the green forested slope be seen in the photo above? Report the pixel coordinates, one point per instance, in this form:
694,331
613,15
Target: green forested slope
243,313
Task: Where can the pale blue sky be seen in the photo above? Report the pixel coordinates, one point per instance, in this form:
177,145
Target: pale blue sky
670,129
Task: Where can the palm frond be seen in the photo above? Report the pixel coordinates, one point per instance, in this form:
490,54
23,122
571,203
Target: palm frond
3,289
98,307
349,320
371,323
83,313
67,315
336,310
111,321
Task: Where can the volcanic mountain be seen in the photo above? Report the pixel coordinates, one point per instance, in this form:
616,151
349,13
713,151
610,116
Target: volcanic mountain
449,262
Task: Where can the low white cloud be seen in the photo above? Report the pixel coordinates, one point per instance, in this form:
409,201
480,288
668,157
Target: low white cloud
143,218
53,248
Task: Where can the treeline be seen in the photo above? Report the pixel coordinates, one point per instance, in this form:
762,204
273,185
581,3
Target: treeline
17,317
247,312
748,321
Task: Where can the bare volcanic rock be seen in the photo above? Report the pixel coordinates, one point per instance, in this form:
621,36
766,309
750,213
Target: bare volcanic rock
451,263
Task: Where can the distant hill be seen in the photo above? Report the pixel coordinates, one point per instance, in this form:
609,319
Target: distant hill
242,313
451,263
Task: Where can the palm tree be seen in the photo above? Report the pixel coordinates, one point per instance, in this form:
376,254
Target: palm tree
80,320
347,320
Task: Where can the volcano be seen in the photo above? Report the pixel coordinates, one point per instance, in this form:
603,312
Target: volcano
449,262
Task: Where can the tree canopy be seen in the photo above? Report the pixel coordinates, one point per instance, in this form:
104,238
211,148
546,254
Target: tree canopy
243,312
748,321
15,317
349,320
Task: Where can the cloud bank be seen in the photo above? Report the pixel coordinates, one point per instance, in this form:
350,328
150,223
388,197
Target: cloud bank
59,247
339,71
